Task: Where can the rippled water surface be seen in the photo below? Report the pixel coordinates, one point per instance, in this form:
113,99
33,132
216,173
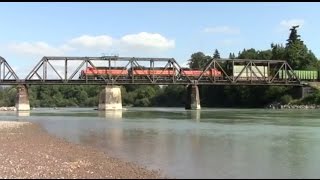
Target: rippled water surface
211,143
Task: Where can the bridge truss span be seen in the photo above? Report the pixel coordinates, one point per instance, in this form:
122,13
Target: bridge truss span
115,70
6,72
101,70
249,72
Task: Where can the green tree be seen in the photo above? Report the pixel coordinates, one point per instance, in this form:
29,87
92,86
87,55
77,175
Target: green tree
232,56
170,96
216,54
82,97
297,53
248,54
278,52
264,55
285,99
198,60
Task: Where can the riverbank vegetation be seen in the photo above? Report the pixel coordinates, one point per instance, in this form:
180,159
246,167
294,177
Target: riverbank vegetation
294,51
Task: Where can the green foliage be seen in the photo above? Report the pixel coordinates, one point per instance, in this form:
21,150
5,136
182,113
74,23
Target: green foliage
278,52
7,96
63,96
143,102
297,53
248,54
198,60
216,54
253,54
285,99
139,95
170,96
232,56
311,99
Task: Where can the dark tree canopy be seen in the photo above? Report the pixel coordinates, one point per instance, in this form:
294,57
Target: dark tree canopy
216,54
297,53
198,60
232,56
293,37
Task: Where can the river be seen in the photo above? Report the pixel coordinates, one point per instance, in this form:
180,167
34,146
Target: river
210,143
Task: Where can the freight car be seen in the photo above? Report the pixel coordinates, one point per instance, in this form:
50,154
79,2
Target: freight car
250,73
144,72
196,73
301,74
99,72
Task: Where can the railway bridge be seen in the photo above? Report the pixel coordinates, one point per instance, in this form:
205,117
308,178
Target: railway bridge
113,71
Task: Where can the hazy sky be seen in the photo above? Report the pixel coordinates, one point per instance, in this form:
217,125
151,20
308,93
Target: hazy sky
30,31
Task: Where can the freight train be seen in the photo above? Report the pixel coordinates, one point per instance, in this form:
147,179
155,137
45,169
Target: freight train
143,72
258,72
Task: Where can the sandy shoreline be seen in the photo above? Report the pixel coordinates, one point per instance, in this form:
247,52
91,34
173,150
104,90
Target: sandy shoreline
28,151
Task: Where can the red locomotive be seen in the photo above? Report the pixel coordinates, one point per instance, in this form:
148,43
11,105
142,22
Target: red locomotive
96,73
143,71
195,73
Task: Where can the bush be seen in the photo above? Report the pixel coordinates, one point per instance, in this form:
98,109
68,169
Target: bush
285,99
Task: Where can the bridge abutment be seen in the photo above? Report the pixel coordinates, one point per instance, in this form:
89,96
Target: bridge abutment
193,98
305,91
110,98
22,98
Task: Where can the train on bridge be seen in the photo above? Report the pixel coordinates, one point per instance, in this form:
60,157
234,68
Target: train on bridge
162,71
240,71
143,72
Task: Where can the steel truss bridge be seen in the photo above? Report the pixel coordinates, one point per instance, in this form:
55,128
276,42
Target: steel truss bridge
66,70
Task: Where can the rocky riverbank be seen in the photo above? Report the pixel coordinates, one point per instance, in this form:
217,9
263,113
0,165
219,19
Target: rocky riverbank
27,151
8,108
292,106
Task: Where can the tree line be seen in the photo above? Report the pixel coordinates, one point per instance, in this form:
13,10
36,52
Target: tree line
294,51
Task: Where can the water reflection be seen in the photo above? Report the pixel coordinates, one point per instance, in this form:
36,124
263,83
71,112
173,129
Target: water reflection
111,114
23,113
194,115
100,137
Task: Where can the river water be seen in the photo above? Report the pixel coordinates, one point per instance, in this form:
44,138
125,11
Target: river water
211,143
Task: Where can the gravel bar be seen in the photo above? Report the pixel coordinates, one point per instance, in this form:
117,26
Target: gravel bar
28,151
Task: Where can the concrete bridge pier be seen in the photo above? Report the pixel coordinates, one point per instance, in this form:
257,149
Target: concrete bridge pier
22,98
193,99
306,90
110,98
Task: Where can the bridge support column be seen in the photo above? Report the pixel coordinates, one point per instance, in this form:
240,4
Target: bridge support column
110,98
193,99
22,98
305,91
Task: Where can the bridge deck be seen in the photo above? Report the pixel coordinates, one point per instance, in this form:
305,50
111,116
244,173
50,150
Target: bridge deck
141,82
